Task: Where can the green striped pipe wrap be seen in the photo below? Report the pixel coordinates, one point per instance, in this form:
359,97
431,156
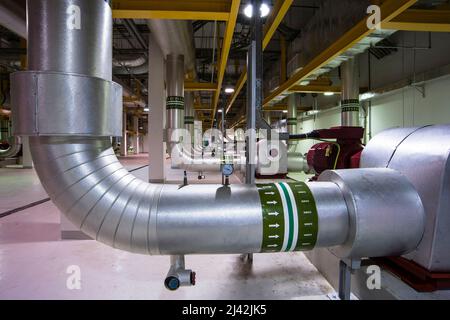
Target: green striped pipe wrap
290,220
174,102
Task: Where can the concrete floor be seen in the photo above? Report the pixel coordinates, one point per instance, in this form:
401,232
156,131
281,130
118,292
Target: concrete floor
34,261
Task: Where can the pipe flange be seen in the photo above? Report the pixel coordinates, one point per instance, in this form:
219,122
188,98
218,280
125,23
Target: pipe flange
386,214
40,101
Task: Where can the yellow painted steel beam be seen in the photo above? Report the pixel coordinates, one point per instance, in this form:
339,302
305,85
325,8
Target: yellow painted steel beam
200,86
240,84
279,11
204,107
276,17
173,9
389,10
226,45
420,20
316,89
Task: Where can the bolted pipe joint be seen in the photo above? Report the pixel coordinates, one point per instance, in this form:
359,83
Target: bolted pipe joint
178,276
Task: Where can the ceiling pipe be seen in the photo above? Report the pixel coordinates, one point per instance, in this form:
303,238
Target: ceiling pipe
175,37
130,66
85,180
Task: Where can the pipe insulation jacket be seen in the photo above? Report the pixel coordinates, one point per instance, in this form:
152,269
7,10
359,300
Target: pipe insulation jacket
87,183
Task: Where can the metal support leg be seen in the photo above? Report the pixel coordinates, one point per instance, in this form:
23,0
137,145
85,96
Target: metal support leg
346,268
178,276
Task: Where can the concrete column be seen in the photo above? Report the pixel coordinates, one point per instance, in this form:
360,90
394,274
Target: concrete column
156,117
136,138
124,143
350,93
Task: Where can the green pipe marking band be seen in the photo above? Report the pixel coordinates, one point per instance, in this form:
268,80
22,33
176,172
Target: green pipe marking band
351,105
175,103
188,120
290,220
292,121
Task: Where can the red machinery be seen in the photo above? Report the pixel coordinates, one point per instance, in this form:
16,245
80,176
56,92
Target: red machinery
345,153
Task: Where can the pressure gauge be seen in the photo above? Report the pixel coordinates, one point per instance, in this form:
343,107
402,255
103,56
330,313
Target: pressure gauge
227,170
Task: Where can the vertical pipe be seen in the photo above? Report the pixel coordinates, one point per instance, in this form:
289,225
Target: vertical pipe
250,151
175,98
254,91
350,93
293,104
60,46
189,115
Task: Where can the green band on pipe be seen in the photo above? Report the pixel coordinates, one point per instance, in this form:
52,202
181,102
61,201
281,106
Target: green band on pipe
175,103
289,212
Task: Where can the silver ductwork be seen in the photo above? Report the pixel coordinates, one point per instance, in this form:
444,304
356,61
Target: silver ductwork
87,183
135,66
175,37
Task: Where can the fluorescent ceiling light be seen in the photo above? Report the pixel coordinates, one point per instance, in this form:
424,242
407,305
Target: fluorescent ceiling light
146,109
366,96
329,94
248,11
229,90
220,111
264,10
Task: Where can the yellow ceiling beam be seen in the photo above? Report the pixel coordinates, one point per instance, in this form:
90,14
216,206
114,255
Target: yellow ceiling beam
226,45
315,89
200,86
279,11
389,10
174,9
277,15
434,20
203,107
240,84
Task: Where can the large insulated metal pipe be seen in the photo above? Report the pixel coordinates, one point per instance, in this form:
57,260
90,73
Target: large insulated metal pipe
85,180
350,93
